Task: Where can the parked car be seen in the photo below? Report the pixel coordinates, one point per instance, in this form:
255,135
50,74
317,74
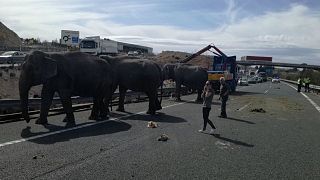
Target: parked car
243,82
134,53
10,57
275,80
252,80
259,79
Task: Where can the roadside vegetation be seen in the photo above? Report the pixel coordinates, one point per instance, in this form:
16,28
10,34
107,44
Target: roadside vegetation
294,74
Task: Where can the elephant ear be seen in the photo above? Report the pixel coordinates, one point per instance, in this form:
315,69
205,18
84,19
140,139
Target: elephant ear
49,68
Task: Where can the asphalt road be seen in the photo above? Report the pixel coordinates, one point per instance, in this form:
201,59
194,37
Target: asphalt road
282,143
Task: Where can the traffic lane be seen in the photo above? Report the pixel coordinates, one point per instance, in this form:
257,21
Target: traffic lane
264,148
287,117
312,98
17,130
234,136
145,157
39,156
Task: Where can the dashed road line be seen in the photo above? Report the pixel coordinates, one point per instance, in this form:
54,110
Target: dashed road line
243,107
78,127
307,97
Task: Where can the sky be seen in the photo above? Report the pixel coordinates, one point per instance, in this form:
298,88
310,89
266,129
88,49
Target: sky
287,30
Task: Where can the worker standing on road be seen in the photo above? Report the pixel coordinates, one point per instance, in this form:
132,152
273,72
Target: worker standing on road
207,96
299,84
224,95
307,84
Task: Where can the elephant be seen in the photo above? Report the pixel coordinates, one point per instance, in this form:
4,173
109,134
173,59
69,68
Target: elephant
72,73
141,75
191,76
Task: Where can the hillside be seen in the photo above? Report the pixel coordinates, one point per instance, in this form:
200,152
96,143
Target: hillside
8,38
174,56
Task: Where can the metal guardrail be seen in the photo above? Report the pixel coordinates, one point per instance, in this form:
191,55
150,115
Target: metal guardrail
312,87
12,106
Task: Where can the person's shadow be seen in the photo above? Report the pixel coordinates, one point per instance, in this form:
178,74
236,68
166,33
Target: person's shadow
240,120
237,142
81,130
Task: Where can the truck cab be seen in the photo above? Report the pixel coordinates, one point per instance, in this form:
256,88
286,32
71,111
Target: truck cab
223,67
96,46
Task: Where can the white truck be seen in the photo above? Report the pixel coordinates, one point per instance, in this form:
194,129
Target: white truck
95,45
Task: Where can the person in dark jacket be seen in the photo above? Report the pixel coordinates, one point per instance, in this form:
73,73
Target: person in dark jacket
224,95
207,96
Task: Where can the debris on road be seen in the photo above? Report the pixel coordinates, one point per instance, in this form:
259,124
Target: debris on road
260,110
163,137
152,124
36,157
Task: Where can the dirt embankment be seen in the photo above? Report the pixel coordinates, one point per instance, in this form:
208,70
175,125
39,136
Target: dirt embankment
9,80
173,57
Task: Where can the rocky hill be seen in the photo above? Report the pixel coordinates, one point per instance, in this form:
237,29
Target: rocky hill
8,37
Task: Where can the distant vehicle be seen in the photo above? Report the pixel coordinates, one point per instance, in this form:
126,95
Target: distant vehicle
263,75
275,80
258,79
134,53
96,46
10,57
252,80
243,82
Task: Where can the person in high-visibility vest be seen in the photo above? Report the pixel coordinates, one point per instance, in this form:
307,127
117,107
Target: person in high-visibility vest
299,84
307,84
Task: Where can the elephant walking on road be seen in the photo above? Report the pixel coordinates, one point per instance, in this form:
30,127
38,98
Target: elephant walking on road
68,74
193,77
140,75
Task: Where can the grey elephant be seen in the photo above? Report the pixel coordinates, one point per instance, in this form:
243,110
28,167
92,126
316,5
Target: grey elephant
140,75
193,77
68,74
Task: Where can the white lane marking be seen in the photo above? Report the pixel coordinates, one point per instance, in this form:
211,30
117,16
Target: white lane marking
266,91
243,107
78,127
309,99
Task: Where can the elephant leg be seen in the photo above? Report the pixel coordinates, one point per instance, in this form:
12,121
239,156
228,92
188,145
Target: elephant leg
95,109
46,100
152,103
104,113
158,104
65,96
103,110
122,95
199,92
178,90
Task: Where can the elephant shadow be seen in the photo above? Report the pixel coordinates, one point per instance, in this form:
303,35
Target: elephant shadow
159,117
107,127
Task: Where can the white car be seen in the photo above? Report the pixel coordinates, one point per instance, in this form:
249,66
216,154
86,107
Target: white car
243,82
11,57
275,80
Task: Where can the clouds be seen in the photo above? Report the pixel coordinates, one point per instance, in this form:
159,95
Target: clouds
288,34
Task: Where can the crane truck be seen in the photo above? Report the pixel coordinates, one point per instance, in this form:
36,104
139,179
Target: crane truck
223,66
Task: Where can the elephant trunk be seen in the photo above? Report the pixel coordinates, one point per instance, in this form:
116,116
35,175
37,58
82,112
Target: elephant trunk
24,88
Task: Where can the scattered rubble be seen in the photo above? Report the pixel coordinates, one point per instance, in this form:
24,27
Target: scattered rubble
259,110
152,124
38,157
163,137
